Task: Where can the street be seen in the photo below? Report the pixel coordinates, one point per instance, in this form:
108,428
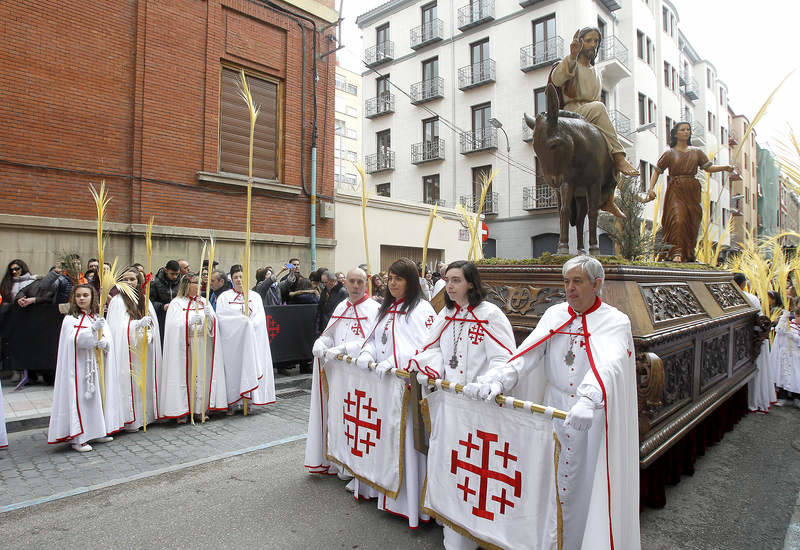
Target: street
240,482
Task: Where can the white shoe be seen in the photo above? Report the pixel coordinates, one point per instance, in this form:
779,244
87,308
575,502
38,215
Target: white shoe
797,403
781,402
105,439
85,448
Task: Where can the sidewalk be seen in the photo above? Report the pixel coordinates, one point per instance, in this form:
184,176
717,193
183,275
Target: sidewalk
31,471
29,408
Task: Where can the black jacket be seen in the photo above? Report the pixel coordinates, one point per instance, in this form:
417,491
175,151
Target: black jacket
328,300
162,290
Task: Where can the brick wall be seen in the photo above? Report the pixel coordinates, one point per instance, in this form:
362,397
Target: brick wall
131,90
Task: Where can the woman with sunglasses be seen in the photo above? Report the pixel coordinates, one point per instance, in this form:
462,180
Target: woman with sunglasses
400,330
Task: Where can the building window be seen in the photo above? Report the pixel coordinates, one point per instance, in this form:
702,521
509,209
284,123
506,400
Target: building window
672,25
382,86
382,41
642,176
642,110
430,72
430,139
540,100
234,131
709,79
544,38
339,128
480,125
667,76
640,45
665,19
351,111
710,122
383,190
479,175
384,145
722,96
651,111
674,79
430,189
428,19
651,52
479,58
352,133
668,127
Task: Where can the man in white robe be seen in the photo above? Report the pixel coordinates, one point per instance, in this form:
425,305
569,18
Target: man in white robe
586,350
761,387
245,346
347,328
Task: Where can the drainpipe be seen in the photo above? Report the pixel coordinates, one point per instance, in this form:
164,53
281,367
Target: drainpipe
314,200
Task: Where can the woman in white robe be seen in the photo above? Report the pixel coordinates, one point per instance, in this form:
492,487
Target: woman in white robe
77,415
131,331
399,332
468,337
189,319
245,346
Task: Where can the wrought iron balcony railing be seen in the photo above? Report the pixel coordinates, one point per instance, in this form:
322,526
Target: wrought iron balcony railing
476,74
427,90
613,48
377,106
478,140
621,123
539,196
426,151
691,89
379,162
440,202
475,13
491,204
379,53
541,54
527,133
427,33
698,132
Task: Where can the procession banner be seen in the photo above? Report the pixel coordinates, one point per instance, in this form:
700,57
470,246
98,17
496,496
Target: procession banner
491,472
366,424
291,331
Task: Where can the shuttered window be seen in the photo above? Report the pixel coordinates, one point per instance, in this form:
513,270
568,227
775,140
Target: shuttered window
235,127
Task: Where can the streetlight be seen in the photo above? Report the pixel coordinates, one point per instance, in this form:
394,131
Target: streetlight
499,125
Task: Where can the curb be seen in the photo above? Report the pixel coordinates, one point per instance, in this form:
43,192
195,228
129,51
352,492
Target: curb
34,422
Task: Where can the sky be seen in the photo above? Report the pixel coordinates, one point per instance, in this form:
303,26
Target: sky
751,44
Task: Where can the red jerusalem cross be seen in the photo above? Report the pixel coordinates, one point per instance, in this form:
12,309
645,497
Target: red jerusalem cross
484,474
273,328
476,333
357,422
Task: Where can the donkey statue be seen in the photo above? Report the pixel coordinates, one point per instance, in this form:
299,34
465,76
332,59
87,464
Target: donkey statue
574,160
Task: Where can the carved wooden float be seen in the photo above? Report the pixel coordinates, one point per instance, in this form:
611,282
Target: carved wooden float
693,332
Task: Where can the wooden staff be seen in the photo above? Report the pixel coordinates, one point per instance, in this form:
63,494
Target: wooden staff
148,241
101,201
211,246
196,342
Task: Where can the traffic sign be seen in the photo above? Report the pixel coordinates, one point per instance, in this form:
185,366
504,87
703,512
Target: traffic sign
484,232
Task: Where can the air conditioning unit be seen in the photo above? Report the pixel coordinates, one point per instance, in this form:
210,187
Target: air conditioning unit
327,210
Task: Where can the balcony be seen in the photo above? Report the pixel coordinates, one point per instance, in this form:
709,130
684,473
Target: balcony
478,140
379,162
440,202
427,151
612,61
698,134
476,74
427,34
623,126
526,3
539,197
491,204
427,90
475,13
691,90
541,54
379,106
527,133
380,53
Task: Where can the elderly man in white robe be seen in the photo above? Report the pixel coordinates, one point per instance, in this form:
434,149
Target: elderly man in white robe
347,328
585,347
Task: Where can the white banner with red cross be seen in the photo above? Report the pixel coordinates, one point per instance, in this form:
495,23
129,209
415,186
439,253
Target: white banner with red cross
366,424
491,472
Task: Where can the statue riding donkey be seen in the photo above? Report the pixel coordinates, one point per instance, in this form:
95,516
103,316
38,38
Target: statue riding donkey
578,150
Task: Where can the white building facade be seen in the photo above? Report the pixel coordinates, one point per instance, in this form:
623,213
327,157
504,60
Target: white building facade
447,83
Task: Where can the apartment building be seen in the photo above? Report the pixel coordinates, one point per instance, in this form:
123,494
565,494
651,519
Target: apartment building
447,82
788,213
347,129
744,182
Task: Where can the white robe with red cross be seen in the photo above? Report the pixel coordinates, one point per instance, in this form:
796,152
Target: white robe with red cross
173,376
77,414
397,337
348,326
245,346
129,343
605,466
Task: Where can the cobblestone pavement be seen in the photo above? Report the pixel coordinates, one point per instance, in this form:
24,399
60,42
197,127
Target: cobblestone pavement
32,471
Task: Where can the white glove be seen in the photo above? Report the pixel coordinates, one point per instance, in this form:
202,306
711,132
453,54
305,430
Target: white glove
423,378
102,344
581,415
382,368
319,348
363,361
208,310
333,351
472,389
99,324
490,391
144,322
195,319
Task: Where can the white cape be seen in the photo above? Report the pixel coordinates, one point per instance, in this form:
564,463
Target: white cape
245,347
128,343
786,353
761,388
173,374
77,414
